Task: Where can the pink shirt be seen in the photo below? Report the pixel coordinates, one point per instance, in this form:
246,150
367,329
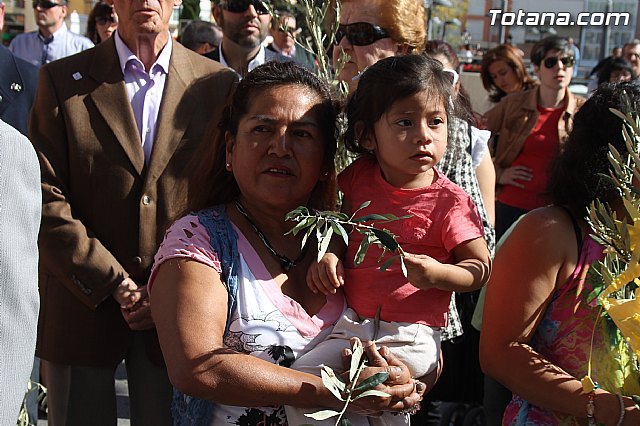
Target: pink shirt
443,216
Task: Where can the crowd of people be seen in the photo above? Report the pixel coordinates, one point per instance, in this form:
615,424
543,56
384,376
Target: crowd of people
166,172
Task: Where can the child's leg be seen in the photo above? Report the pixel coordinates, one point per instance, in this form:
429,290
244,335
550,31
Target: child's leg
326,353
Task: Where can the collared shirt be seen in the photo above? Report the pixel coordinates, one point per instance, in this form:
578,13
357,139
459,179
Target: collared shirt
258,60
33,47
144,89
276,48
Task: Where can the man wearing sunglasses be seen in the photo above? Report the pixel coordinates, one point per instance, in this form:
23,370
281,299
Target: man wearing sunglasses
284,31
244,24
114,127
52,40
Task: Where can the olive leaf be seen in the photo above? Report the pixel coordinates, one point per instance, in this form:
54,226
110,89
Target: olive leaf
350,391
326,224
620,236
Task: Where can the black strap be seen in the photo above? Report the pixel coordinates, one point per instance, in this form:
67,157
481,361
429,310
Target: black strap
576,228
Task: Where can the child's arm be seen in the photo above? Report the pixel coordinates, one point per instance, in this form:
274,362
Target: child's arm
470,273
328,274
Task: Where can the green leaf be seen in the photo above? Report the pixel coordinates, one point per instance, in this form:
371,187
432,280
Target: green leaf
323,415
356,357
388,262
301,210
386,239
372,381
306,236
339,229
370,218
301,225
324,244
362,206
403,266
362,251
345,422
335,385
371,392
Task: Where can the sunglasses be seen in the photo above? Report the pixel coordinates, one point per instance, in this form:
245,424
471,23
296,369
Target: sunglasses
239,6
290,30
104,20
451,75
551,61
45,4
360,33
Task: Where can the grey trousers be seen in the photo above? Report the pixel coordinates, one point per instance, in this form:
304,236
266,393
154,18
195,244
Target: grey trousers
83,396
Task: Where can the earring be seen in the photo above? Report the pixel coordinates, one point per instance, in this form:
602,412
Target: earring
229,166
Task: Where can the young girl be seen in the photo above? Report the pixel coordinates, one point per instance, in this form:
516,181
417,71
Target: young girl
398,120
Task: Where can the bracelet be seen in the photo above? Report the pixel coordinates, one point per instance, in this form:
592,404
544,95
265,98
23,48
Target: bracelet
591,408
621,418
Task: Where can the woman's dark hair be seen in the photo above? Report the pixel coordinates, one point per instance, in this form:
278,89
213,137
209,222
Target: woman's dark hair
100,10
615,64
210,183
462,103
553,43
388,81
576,175
510,56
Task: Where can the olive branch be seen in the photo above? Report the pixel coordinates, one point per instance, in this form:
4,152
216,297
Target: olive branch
326,224
349,391
617,275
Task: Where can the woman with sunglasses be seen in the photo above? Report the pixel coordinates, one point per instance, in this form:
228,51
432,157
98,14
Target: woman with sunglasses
102,22
531,126
372,30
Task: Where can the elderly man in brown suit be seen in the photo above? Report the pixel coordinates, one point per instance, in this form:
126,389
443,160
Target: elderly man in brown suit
114,128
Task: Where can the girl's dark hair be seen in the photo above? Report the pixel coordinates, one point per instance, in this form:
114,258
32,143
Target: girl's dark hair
388,81
615,64
210,183
510,56
100,10
575,179
553,43
462,103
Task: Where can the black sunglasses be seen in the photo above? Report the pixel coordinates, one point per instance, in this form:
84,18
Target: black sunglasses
360,33
290,30
239,6
551,61
104,20
45,4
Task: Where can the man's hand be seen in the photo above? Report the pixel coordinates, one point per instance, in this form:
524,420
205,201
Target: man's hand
127,294
134,304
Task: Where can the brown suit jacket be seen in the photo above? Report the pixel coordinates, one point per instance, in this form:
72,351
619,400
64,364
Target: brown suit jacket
104,211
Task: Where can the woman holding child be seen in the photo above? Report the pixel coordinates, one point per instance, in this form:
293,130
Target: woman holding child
228,290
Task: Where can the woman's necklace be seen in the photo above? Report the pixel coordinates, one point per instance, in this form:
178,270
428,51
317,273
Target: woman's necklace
285,263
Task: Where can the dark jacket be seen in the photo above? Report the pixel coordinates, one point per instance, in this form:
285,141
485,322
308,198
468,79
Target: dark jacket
18,82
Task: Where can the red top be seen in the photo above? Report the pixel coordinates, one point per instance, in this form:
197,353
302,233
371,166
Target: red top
540,148
443,217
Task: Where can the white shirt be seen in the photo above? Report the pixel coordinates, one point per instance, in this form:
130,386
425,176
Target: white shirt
144,89
258,60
